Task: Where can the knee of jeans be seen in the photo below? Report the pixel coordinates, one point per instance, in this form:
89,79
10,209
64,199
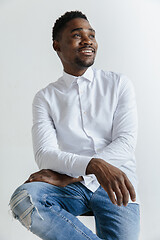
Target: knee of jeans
22,208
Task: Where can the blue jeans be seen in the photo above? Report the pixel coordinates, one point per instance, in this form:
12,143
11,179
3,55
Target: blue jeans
50,212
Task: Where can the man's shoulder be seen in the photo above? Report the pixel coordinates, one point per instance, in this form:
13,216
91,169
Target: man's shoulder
49,89
111,77
107,77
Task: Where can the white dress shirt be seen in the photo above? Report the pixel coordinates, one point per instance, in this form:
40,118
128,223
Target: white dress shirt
76,119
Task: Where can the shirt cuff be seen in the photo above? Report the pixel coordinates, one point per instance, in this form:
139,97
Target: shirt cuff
80,164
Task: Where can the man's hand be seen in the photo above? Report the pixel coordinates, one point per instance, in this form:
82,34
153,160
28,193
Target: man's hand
54,178
113,180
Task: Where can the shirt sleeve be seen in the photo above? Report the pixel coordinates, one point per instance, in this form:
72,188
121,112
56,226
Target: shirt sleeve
124,129
46,150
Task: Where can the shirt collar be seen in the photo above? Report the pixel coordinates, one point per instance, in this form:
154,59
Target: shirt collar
69,79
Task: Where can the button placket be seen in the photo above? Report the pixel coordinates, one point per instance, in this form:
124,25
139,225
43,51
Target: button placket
83,104
81,88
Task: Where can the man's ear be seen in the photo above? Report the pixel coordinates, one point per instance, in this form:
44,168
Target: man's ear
56,46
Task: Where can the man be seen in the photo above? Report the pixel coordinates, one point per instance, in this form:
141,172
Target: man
84,136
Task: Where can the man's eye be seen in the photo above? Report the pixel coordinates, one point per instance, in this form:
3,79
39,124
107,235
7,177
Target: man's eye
77,35
92,36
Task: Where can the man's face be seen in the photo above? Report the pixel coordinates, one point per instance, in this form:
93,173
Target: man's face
77,46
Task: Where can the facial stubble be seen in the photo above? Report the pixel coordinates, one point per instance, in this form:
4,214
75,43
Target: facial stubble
83,63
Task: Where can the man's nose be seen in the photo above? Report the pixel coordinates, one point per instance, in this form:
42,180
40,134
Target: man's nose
86,40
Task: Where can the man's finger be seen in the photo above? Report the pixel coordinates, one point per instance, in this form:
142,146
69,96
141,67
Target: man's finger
118,193
130,189
125,193
111,194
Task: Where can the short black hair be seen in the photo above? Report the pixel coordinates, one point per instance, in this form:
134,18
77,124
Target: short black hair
62,20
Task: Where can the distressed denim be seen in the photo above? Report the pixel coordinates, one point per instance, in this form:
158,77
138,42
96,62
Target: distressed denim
50,212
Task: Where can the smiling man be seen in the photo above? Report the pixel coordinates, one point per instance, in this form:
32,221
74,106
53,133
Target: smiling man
84,137
76,46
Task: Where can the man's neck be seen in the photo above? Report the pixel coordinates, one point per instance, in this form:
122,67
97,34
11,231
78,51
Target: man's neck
76,72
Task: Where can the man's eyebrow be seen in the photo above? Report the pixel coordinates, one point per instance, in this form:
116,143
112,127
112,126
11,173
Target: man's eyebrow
80,29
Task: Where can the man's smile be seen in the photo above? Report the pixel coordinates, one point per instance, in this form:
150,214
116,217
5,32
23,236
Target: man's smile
87,51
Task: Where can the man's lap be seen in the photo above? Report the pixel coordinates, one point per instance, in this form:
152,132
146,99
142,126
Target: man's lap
111,220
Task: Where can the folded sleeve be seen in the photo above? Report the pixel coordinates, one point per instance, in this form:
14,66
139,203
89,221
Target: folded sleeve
46,150
124,129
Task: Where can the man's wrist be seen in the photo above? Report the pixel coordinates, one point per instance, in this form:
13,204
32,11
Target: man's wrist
92,166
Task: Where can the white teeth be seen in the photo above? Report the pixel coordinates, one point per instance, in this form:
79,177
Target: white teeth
87,51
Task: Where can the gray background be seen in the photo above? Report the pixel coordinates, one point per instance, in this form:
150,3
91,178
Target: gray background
128,34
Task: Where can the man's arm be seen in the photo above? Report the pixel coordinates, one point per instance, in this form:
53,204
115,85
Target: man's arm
56,167
109,162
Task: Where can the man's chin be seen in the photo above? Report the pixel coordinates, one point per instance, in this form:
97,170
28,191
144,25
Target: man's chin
84,64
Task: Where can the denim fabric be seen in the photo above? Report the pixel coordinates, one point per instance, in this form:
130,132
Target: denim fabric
50,212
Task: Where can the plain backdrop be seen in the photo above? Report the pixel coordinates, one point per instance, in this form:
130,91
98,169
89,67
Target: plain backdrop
128,34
